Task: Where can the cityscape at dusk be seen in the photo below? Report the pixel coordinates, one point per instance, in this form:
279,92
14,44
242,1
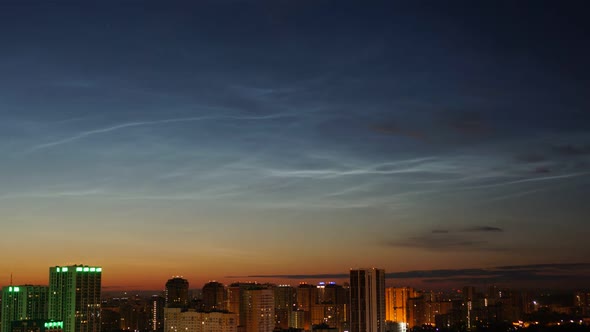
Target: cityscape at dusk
444,144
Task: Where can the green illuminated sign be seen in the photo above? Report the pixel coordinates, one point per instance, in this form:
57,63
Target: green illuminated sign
51,325
83,269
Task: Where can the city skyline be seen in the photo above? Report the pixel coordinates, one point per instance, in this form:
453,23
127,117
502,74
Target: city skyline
286,141
555,276
74,301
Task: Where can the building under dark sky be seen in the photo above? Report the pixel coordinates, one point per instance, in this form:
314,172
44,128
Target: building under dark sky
177,293
367,300
74,297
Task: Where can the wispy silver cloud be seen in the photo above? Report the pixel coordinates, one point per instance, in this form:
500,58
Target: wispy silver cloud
534,179
60,194
514,195
114,195
395,167
149,123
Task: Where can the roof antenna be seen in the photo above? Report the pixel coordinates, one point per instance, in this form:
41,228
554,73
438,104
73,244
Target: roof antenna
10,278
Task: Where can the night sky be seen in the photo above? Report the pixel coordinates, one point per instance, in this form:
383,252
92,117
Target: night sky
284,139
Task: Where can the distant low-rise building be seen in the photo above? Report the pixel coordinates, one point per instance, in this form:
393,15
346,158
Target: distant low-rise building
177,319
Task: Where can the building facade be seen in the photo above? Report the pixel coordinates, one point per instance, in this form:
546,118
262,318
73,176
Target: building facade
233,299
257,310
396,304
36,325
285,303
330,306
367,300
74,297
20,303
214,296
177,293
156,306
177,319
306,295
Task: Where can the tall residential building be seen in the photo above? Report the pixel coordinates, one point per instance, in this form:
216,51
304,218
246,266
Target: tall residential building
396,303
134,314
331,306
331,292
423,309
177,320
214,296
74,297
284,304
234,297
257,310
157,304
367,300
307,295
296,319
21,303
177,293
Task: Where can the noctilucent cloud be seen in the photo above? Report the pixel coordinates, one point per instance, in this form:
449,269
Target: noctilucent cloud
276,138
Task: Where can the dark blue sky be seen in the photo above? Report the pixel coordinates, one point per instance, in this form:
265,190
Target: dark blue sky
287,137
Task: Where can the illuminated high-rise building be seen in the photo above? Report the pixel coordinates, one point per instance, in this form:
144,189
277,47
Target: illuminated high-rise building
284,305
367,300
20,303
423,309
296,319
134,315
74,297
157,304
330,292
330,306
177,293
257,312
214,296
233,299
396,303
307,295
